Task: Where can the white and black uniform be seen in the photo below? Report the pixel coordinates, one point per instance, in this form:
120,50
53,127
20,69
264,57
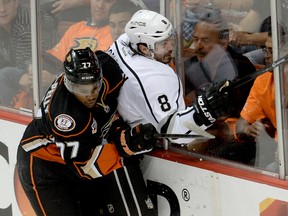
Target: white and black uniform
152,94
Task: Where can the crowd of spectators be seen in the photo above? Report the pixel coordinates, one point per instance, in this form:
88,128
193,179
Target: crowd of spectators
223,45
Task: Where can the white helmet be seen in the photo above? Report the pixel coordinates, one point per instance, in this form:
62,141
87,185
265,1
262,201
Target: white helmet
148,27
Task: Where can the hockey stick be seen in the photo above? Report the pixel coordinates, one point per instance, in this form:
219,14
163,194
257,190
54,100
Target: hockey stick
192,136
251,76
201,134
198,130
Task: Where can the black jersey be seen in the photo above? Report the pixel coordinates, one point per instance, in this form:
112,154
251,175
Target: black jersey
67,132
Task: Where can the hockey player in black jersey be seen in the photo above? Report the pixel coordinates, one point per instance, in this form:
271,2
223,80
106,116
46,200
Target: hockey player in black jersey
65,164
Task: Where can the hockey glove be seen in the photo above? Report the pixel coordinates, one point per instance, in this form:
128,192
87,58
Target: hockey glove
213,104
140,140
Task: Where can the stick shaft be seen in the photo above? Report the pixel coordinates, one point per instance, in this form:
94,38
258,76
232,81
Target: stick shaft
251,76
164,135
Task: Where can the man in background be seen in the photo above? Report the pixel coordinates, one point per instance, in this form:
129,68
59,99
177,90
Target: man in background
257,123
15,45
94,33
119,15
214,59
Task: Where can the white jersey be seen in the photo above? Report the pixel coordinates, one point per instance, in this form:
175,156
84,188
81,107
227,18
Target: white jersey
152,93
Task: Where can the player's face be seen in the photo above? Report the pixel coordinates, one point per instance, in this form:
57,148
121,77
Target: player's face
268,51
100,10
117,22
8,10
87,94
205,36
164,50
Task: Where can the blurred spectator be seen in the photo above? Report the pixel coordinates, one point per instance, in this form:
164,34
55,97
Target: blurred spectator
234,10
193,9
119,15
257,56
259,11
257,122
247,36
214,59
94,33
151,5
59,6
15,45
66,12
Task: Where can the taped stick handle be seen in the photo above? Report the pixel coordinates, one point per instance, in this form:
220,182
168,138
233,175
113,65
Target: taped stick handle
251,76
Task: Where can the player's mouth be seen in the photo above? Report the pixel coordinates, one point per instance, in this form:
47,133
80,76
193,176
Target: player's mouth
3,16
90,103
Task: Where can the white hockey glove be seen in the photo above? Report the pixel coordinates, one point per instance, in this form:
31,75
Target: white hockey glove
213,104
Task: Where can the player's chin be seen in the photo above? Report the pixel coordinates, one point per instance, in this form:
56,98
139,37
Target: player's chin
90,104
167,59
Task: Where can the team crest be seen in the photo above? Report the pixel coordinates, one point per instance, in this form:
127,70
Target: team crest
83,42
64,123
94,126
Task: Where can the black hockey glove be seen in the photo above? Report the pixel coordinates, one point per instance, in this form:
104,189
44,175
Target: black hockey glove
140,140
143,137
213,104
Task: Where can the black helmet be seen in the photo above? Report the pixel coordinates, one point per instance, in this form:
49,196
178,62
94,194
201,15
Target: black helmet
82,66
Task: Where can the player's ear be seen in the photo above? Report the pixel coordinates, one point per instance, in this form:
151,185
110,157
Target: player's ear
144,49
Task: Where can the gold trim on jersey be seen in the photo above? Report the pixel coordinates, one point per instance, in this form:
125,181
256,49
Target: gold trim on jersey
90,169
105,87
35,144
103,160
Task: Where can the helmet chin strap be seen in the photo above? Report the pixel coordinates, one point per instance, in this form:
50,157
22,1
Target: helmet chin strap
152,54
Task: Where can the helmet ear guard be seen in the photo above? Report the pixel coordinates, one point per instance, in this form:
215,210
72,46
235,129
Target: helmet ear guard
148,27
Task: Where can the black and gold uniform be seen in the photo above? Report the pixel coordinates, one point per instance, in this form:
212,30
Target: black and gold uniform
65,164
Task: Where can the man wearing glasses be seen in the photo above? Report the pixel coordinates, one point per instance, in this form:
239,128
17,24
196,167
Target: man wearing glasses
258,116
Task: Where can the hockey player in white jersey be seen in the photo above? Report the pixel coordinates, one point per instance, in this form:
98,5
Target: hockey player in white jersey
153,92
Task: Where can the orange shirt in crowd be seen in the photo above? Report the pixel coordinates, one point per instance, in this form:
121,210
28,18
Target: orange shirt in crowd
260,103
79,36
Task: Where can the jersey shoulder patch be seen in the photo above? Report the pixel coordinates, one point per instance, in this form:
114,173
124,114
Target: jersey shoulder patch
64,123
